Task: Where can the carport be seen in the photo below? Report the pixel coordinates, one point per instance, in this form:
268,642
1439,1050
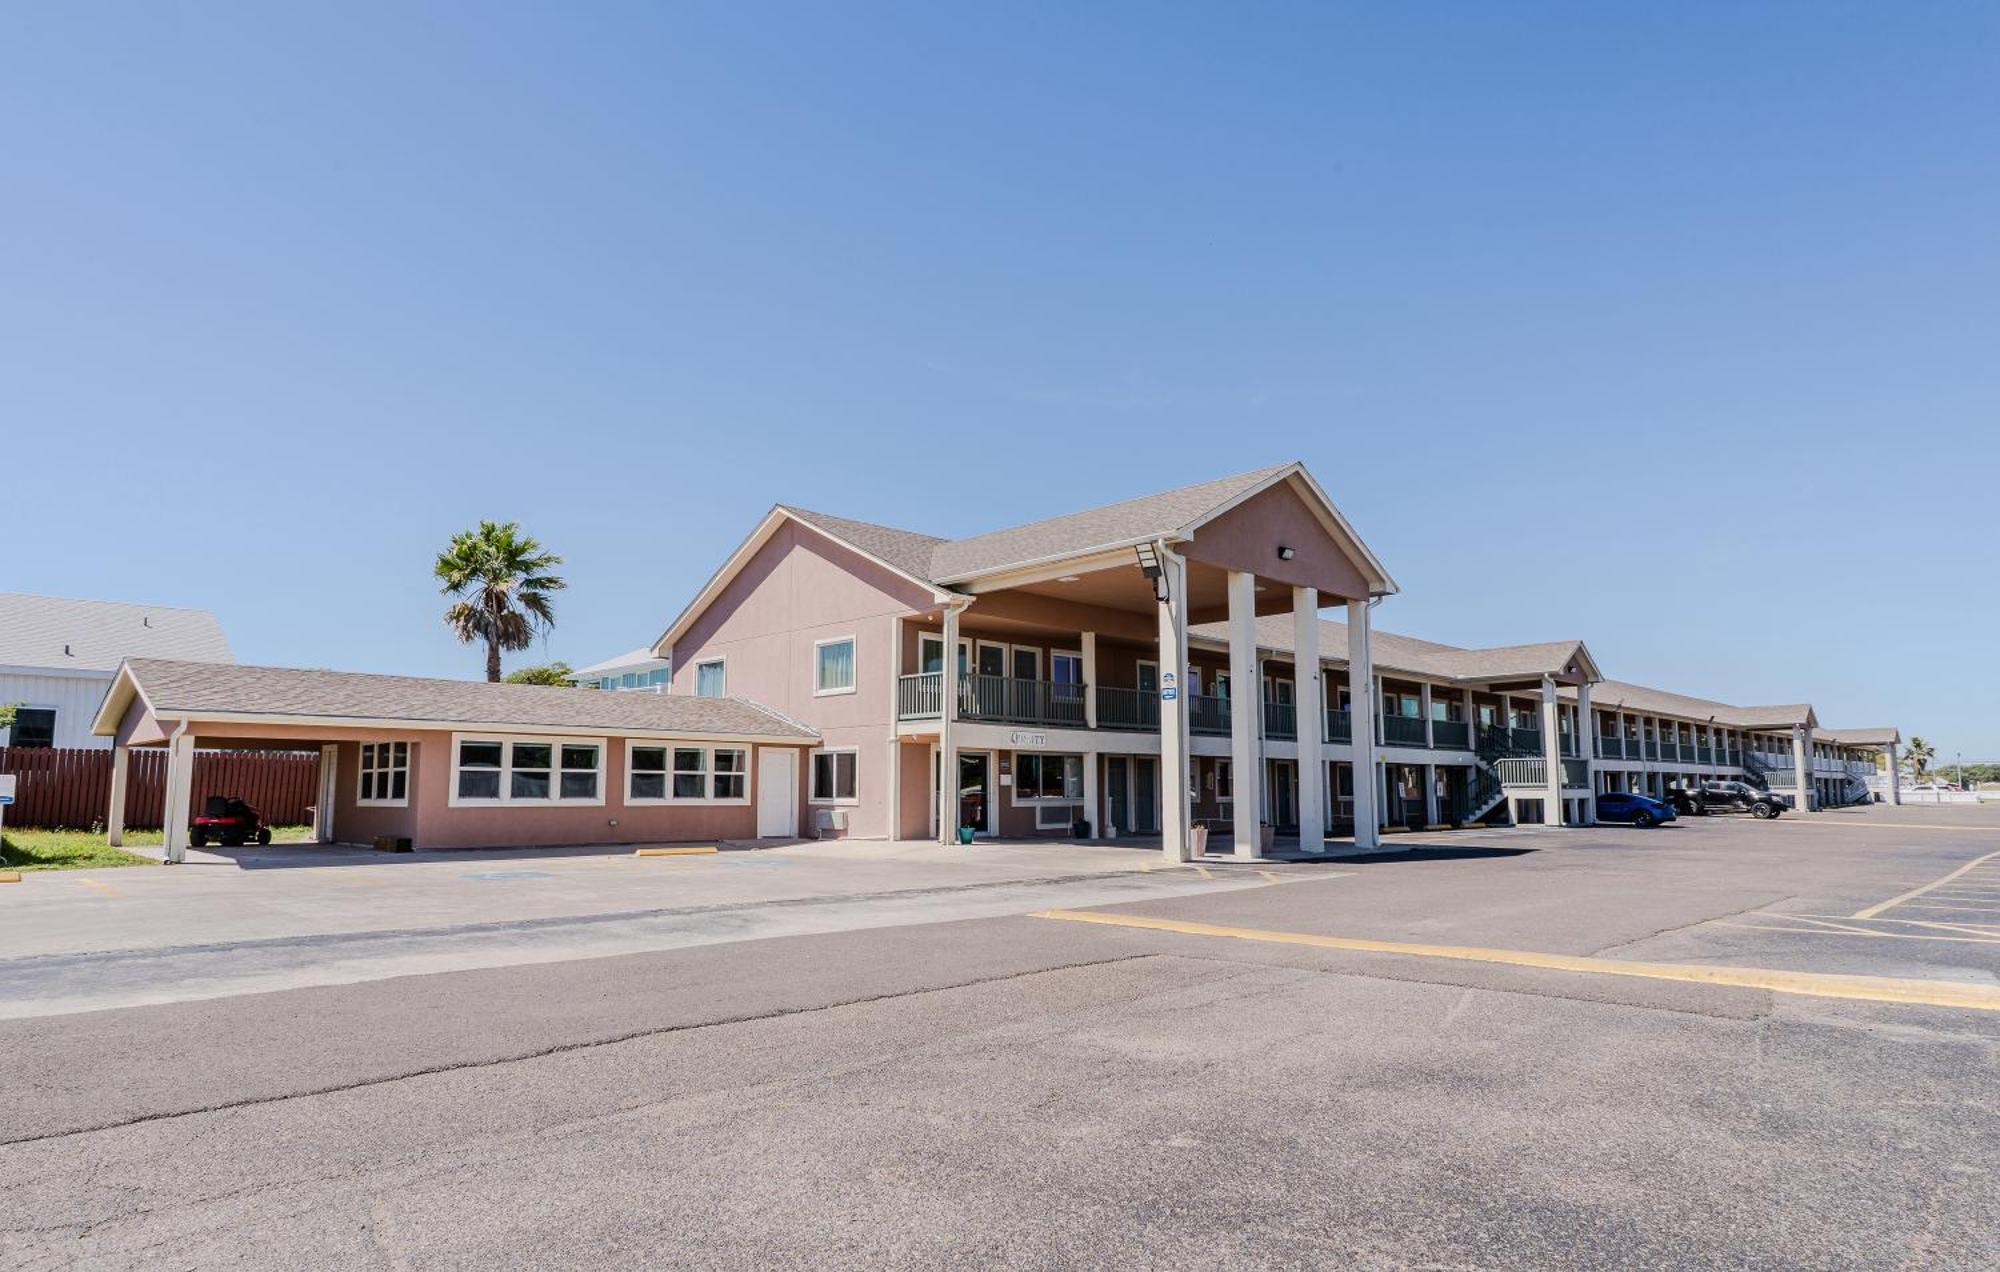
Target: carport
464,764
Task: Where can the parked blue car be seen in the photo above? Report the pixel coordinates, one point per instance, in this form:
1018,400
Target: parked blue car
1641,810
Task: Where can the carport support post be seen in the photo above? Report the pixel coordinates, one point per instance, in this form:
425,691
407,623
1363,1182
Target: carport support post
1246,775
1361,707
1310,695
1895,778
180,795
1176,824
114,816
1586,746
947,783
1802,771
1552,756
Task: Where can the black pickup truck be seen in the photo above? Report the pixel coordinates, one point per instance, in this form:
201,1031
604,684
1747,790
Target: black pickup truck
1698,799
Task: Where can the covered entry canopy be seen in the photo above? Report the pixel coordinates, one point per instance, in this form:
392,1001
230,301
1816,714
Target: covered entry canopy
450,764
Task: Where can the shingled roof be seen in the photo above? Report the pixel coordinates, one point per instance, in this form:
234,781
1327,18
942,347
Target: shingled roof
936,561
1412,656
177,690
1609,695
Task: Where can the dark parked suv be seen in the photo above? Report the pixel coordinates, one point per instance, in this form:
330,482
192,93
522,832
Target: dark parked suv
1724,797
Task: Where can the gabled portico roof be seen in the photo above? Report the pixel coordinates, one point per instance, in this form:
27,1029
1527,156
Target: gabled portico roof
948,567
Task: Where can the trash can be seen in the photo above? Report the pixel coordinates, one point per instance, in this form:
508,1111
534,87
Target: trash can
965,835
1198,838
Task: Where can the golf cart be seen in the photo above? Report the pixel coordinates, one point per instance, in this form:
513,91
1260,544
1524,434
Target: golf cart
230,822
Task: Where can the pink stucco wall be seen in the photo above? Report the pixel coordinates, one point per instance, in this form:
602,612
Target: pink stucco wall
797,589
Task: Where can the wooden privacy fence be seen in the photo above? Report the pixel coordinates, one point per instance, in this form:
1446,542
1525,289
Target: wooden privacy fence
71,789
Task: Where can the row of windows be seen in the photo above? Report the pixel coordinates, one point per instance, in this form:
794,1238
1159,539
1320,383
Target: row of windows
637,679
832,668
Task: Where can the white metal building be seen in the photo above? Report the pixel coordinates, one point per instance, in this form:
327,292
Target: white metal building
58,656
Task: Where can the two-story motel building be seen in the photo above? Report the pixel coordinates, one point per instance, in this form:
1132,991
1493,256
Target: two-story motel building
1133,671
1079,677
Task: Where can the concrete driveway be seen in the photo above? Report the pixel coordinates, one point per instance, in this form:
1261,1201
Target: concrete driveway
1196,1086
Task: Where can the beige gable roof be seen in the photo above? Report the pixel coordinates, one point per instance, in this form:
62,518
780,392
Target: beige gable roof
1114,525
1412,656
905,550
1863,737
1610,695
74,635
184,689
943,561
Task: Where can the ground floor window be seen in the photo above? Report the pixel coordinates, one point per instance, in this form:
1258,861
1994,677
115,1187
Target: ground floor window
522,770
833,778
385,773
1039,776
33,727
687,774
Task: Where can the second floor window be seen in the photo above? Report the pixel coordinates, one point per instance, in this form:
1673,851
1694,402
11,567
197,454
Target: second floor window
709,680
833,666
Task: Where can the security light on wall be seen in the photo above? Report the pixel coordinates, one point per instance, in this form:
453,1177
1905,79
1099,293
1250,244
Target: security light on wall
1285,553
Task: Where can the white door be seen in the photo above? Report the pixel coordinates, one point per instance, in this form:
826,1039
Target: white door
777,793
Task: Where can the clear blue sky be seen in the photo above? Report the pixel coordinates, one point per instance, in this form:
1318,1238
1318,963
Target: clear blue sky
1698,304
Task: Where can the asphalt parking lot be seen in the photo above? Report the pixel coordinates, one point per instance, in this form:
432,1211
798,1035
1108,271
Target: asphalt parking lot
1451,1054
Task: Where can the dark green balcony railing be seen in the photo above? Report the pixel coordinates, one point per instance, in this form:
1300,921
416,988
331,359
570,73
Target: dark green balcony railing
1451,735
1208,715
1128,709
1404,731
920,697
1281,721
1339,725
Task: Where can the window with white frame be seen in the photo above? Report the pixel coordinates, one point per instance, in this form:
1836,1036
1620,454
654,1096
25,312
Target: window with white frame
833,777
526,771
1046,777
683,774
833,666
384,774
711,680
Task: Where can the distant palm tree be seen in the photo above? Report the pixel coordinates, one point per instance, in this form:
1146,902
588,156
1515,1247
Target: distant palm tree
1920,754
502,579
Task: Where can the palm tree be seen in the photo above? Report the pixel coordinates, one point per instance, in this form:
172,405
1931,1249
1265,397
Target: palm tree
1920,754
502,579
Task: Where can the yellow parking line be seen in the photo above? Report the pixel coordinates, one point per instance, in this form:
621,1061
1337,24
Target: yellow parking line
1885,936
701,851
1974,864
1880,989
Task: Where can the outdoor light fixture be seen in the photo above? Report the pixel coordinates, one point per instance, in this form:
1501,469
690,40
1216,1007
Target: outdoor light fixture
1285,553
1149,565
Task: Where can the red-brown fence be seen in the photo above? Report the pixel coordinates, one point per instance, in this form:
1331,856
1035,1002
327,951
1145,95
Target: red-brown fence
71,789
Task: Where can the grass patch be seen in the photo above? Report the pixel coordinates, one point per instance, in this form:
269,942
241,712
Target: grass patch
69,850
86,849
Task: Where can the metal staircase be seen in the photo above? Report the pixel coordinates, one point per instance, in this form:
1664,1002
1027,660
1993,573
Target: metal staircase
1492,743
1755,772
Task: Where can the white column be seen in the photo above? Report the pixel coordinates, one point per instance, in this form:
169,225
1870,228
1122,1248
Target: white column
1895,778
180,795
893,821
947,776
1092,812
1430,795
1424,697
114,816
1177,816
1802,769
1245,712
1552,811
1088,642
1308,693
329,791
1361,700
1586,745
